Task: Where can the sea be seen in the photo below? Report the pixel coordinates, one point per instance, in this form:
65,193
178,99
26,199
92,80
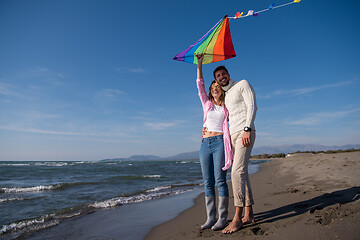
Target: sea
35,195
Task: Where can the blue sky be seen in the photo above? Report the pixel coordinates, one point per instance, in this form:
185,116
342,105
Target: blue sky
95,79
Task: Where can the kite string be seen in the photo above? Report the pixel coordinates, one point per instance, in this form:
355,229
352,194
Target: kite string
264,10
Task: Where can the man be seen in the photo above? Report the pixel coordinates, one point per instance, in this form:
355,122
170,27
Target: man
241,103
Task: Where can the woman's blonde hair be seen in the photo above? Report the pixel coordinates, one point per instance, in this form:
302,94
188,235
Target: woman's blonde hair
222,96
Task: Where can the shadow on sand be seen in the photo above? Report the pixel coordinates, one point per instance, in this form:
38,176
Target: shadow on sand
318,203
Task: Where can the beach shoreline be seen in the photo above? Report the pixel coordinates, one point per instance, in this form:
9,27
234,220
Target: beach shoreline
304,196
128,222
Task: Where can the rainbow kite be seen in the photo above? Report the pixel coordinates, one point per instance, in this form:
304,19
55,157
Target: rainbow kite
216,44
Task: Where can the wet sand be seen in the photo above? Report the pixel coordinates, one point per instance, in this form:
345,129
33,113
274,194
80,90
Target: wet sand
304,196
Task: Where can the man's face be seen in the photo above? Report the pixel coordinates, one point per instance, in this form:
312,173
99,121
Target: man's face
222,77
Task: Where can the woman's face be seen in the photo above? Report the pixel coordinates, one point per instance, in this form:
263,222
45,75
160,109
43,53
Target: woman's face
215,90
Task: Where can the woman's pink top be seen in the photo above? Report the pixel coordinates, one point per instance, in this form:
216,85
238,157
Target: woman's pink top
207,105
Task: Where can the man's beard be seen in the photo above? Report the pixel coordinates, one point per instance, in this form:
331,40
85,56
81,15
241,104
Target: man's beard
225,84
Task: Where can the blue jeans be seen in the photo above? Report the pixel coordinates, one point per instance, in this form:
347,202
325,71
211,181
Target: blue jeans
212,159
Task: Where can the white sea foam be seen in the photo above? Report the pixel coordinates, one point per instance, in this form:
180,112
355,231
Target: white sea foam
14,164
33,224
114,202
43,222
70,215
158,189
29,189
52,164
152,176
11,199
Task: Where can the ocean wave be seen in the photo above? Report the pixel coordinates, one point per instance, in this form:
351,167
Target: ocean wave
15,164
40,223
118,201
51,164
11,199
47,164
158,189
49,220
27,225
151,176
29,189
41,188
69,215
133,177
188,161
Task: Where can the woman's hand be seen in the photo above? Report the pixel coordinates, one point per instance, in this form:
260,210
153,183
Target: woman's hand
200,58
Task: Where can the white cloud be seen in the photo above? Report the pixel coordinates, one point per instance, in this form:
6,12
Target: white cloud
137,70
277,139
38,71
36,130
35,115
300,91
162,125
263,134
7,90
320,117
42,73
335,137
113,131
109,94
132,70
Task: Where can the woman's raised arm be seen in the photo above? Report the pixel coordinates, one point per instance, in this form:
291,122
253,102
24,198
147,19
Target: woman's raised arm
200,58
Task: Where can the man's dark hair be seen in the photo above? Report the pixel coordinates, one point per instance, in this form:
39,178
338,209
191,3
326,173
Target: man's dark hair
220,68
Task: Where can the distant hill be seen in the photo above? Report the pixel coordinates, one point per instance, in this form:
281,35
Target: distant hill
256,151
181,156
185,156
300,147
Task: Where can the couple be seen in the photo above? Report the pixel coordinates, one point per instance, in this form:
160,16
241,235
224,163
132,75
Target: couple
223,146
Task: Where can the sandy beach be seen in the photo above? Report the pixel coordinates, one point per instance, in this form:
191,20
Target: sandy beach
303,196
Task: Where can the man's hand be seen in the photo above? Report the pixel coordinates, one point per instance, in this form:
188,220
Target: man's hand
246,139
203,131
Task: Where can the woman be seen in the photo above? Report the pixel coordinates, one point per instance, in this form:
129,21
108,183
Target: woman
215,151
